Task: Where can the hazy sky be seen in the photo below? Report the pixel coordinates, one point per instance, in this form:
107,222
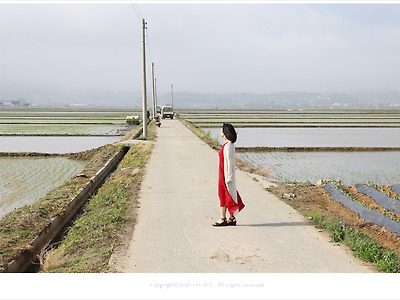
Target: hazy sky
208,48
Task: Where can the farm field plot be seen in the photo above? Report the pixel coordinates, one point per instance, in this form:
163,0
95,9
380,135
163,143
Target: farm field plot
370,240
314,137
23,180
63,114
54,144
61,130
296,118
379,168
65,129
63,122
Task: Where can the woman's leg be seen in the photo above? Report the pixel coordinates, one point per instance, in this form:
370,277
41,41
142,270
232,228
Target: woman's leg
223,212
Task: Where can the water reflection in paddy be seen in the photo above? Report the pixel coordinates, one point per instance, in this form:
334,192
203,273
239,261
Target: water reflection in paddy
53,144
24,180
380,168
349,167
314,137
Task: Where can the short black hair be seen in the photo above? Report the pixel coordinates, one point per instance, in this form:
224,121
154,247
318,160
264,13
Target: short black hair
230,132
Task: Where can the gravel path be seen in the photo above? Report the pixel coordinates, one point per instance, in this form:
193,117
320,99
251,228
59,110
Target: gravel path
179,203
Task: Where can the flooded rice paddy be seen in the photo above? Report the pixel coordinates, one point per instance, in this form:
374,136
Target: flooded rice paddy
294,118
53,144
59,130
24,180
382,168
314,137
31,121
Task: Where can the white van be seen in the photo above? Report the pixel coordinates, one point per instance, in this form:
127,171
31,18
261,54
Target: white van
167,112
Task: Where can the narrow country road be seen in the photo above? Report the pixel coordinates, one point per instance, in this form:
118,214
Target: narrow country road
179,203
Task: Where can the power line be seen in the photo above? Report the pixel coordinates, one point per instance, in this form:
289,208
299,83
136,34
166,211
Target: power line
148,46
140,17
137,11
146,42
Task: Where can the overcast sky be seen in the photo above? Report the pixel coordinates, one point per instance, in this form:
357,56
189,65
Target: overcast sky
207,48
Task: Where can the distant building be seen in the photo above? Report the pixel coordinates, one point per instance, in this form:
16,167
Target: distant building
10,103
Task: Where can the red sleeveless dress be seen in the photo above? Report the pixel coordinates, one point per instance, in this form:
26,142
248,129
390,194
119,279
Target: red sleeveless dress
224,197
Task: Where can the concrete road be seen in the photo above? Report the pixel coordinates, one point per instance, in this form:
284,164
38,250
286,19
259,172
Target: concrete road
179,203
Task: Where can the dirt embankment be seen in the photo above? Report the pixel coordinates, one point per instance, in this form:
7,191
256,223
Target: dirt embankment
315,199
88,154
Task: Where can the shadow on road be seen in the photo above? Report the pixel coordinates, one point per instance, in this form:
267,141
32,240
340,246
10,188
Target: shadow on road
281,224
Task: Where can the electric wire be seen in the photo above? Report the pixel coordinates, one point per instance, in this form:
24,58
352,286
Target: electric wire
148,47
139,15
137,11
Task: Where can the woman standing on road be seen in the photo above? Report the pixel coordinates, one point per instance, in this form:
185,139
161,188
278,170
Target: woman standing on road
228,195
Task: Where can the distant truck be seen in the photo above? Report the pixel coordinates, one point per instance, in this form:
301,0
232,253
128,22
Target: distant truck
167,112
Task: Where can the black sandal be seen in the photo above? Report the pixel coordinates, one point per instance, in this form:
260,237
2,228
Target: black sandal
223,223
232,221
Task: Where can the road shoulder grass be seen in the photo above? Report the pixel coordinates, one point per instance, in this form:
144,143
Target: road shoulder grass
90,240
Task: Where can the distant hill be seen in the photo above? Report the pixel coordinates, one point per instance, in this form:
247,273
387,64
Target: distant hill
287,100
192,100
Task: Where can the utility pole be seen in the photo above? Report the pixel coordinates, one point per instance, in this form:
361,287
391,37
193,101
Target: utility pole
172,96
242,101
144,95
153,90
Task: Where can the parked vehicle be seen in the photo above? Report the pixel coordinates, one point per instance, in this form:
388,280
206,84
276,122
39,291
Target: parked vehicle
157,119
133,120
167,112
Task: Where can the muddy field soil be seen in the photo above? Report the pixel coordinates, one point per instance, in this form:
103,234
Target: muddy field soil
315,199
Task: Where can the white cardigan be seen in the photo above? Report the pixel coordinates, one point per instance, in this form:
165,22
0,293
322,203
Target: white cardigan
229,169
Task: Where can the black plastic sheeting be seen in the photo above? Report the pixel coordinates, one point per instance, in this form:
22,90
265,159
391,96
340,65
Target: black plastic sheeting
383,200
396,188
369,216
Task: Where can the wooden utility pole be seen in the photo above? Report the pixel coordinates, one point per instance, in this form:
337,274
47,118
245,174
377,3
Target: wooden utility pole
144,94
153,90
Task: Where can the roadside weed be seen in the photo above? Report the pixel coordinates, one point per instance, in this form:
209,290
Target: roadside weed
360,243
389,263
90,241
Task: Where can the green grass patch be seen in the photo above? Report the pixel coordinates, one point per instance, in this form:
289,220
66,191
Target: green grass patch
360,243
151,132
204,136
90,241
